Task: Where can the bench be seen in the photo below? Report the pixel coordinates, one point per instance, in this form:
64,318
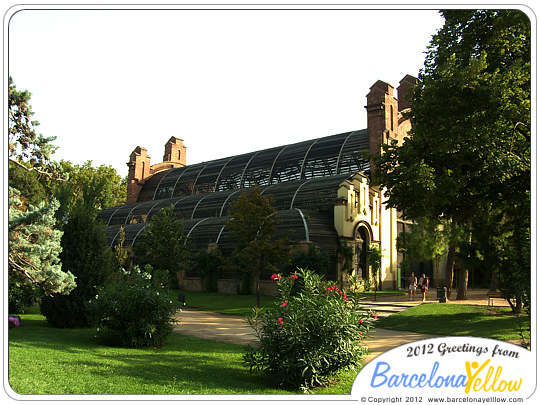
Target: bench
492,295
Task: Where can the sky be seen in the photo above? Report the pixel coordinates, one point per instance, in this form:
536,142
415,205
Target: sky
225,81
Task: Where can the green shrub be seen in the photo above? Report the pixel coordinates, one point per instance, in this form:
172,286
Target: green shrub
307,337
21,297
134,311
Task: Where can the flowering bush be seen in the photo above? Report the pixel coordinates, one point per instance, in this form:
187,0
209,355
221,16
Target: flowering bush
134,311
309,336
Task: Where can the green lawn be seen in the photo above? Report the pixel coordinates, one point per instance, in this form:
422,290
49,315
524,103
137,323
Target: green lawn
456,320
232,304
46,360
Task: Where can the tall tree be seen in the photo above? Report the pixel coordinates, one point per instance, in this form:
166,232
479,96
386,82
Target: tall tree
34,243
84,253
258,247
424,240
27,149
113,191
34,247
164,245
469,148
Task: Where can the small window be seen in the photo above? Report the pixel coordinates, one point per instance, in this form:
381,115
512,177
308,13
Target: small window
179,155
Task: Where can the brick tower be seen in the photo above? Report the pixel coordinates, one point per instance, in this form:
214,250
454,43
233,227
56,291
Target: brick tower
405,92
385,113
382,108
140,168
175,151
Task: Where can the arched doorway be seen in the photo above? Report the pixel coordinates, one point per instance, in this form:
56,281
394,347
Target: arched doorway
362,241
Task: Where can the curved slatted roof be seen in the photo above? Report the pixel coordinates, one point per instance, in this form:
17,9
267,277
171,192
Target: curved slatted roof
314,194
321,157
302,180
304,224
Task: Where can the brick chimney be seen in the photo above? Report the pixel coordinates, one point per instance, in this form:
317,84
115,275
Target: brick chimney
139,169
382,109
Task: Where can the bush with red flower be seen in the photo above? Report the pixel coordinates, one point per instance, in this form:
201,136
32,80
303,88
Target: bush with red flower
310,334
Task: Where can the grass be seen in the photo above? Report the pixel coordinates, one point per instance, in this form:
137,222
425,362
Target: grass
233,304
456,320
46,360
229,304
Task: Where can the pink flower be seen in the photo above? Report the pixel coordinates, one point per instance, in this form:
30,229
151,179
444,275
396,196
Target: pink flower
280,321
375,317
285,304
361,321
294,276
275,277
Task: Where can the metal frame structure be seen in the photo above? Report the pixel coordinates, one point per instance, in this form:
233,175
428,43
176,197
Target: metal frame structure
321,157
302,180
313,194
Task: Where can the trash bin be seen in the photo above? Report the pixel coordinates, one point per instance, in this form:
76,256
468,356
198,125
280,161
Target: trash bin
182,299
441,294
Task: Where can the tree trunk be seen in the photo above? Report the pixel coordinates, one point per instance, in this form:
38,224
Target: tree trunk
257,293
450,269
260,268
462,284
494,285
516,309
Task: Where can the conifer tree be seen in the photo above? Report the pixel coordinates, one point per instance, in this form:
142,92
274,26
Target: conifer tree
34,243
85,254
34,247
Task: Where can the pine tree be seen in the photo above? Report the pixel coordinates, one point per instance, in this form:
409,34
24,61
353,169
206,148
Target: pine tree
34,243
34,247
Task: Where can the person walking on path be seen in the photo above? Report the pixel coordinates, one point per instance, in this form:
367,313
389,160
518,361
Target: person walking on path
424,285
412,286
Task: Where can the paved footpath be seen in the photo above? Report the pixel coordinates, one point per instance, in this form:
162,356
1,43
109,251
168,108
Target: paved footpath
234,329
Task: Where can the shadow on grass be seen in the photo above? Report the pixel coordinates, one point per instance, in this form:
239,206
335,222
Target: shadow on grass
69,361
178,373
465,321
